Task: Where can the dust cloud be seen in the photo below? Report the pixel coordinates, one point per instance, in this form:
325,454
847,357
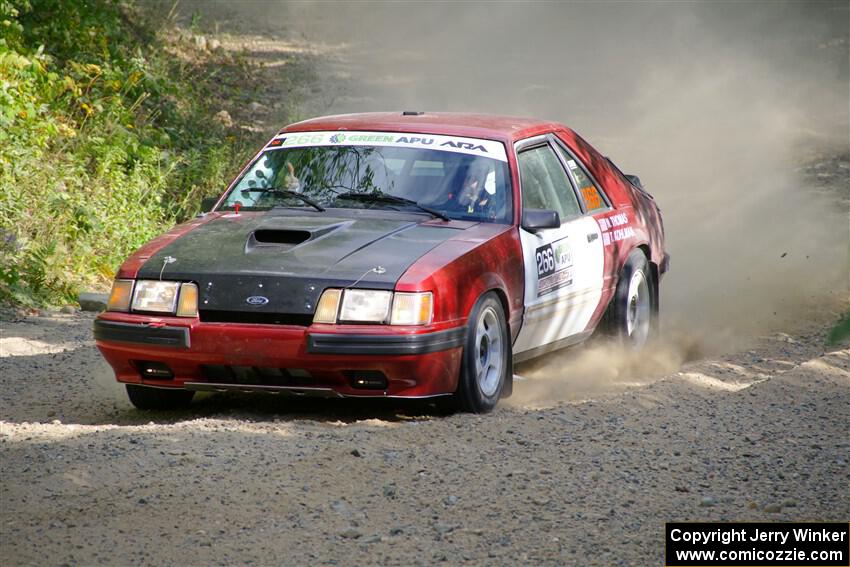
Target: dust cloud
598,369
717,106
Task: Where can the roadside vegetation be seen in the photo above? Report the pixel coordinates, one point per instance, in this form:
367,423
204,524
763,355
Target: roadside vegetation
840,332
107,137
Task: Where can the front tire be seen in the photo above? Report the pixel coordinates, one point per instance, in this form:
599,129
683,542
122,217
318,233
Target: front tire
486,356
633,315
147,398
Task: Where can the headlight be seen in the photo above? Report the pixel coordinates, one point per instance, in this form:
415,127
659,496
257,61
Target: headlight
365,306
119,297
155,296
374,306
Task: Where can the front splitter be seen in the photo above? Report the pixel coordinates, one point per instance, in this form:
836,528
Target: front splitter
294,391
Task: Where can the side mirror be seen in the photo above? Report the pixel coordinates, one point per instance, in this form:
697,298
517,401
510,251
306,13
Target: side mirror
208,203
538,219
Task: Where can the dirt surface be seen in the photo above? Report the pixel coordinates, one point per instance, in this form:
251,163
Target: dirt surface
595,451
760,434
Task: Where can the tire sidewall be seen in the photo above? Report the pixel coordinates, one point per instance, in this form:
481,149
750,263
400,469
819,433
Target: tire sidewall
619,325
469,391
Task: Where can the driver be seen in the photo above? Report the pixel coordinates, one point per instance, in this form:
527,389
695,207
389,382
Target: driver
290,181
473,197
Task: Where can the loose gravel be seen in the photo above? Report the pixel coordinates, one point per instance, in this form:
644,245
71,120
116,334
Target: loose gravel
759,434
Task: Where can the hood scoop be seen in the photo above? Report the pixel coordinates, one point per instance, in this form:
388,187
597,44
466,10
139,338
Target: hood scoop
281,239
273,236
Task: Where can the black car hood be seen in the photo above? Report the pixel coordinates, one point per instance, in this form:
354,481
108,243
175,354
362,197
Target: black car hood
284,262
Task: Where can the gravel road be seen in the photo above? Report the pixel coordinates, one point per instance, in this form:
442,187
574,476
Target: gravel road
595,451
583,473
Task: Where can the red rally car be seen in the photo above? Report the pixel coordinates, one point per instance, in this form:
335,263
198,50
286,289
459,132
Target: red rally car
389,254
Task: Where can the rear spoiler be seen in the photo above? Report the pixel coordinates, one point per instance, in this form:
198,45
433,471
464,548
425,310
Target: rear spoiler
633,180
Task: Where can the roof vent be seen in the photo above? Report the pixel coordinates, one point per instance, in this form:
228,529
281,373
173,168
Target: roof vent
412,113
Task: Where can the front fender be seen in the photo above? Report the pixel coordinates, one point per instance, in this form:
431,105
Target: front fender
460,270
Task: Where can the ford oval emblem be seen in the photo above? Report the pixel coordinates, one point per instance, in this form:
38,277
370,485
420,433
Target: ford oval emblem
257,300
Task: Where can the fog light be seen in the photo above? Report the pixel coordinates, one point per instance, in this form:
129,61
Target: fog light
156,370
368,380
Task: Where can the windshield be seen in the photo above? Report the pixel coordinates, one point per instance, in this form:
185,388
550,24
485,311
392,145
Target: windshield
459,180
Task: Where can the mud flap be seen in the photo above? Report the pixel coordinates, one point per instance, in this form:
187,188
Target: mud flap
508,387
655,320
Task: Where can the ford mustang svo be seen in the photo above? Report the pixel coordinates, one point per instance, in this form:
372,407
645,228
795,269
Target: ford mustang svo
389,255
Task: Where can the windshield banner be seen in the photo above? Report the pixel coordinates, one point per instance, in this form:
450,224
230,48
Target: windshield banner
472,146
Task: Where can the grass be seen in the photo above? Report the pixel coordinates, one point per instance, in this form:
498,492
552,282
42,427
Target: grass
840,332
106,139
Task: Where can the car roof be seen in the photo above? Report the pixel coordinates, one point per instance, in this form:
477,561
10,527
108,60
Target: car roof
487,126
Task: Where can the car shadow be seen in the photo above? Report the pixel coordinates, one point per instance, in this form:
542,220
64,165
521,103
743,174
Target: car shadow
265,407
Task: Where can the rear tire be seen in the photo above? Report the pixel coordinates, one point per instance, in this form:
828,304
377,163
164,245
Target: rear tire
147,398
486,357
633,316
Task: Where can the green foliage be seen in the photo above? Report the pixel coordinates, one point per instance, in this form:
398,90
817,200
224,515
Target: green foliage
840,332
105,141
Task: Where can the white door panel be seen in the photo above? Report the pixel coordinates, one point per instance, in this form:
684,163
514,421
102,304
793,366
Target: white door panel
563,281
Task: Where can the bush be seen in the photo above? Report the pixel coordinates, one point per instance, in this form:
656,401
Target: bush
105,141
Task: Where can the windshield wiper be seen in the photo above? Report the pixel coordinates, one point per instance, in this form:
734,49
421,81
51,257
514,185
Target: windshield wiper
377,197
287,193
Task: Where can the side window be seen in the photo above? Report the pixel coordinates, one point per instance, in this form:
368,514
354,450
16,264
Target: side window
545,184
591,195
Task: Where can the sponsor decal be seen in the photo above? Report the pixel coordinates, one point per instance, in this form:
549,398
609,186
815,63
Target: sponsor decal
554,266
256,300
372,138
307,139
613,228
591,197
415,140
465,146
473,146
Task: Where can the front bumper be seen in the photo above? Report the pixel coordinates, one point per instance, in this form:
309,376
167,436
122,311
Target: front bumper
325,360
